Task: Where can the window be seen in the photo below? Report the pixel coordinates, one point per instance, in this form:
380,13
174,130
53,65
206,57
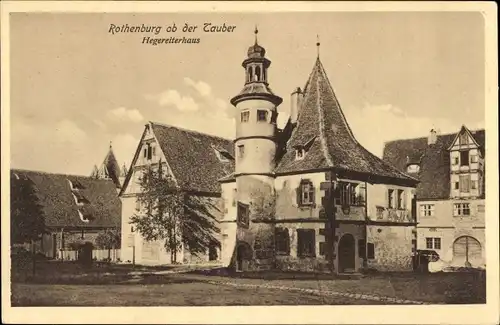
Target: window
361,248
245,116
464,158
401,199
413,245
474,159
464,183
461,209
235,193
150,153
306,243
433,243
390,199
261,116
241,151
145,152
457,185
299,153
427,210
243,215
455,161
464,139
282,241
370,251
305,193
350,194
473,185
274,117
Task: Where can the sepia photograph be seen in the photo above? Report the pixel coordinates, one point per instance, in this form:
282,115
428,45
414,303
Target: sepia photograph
253,158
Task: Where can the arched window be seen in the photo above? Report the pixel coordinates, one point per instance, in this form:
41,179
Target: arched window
249,74
257,73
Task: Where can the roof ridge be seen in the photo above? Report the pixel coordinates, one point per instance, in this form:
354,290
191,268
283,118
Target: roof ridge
55,174
324,145
439,135
190,131
325,75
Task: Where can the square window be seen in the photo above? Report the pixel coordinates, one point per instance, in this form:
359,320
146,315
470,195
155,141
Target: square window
305,193
428,243
457,185
306,242
261,115
245,116
437,243
243,215
473,185
474,159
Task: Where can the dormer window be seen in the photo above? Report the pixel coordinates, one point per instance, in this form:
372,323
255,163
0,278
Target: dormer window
245,116
222,155
75,185
82,217
413,168
261,116
79,198
299,153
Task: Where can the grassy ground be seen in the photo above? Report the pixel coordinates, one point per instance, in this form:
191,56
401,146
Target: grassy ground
70,284
450,288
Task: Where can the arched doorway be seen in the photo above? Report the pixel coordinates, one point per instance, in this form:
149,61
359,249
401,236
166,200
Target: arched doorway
467,252
243,256
347,253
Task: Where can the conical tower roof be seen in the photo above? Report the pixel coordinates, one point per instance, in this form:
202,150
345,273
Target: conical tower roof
110,167
323,129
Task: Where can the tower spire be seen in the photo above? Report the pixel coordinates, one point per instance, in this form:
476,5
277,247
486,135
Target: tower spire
317,43
256,31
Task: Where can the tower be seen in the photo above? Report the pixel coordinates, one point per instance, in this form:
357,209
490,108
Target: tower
255,150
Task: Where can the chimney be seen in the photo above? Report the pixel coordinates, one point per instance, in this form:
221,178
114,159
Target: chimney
432,137
295,103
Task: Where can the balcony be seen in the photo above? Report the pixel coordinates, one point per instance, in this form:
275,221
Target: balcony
393,215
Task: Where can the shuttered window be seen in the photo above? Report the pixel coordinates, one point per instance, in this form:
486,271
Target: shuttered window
282,241
305,193
464,183
370,250
306,242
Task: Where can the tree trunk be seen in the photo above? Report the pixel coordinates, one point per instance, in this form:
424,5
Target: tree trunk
34,256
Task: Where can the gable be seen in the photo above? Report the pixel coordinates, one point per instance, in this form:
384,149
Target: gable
463,140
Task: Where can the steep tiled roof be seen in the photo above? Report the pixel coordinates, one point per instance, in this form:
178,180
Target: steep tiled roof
434,172
334,146
110,168
101,203
192,157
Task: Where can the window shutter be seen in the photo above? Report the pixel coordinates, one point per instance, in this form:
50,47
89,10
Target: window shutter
387,197
404,199
312,194
299,195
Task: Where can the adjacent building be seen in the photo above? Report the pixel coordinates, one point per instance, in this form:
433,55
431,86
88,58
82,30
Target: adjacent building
450,194
74,209
195,161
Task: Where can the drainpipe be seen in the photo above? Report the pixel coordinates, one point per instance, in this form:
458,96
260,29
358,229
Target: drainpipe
365,255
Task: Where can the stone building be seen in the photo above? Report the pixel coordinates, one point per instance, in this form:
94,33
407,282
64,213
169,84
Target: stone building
450,195
309,197
306,197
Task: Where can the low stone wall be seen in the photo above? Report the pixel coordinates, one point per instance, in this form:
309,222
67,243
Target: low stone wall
307,264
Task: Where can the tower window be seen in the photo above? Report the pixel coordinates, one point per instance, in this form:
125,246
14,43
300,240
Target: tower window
241,151
249,74
245,116
261,115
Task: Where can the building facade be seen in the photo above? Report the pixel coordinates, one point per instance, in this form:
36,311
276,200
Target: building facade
181,154
451,192
309,197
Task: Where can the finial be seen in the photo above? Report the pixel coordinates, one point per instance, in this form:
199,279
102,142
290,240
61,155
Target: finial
110,144
256,32
317,43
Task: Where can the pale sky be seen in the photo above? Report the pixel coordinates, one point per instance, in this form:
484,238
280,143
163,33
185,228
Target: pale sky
75,87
